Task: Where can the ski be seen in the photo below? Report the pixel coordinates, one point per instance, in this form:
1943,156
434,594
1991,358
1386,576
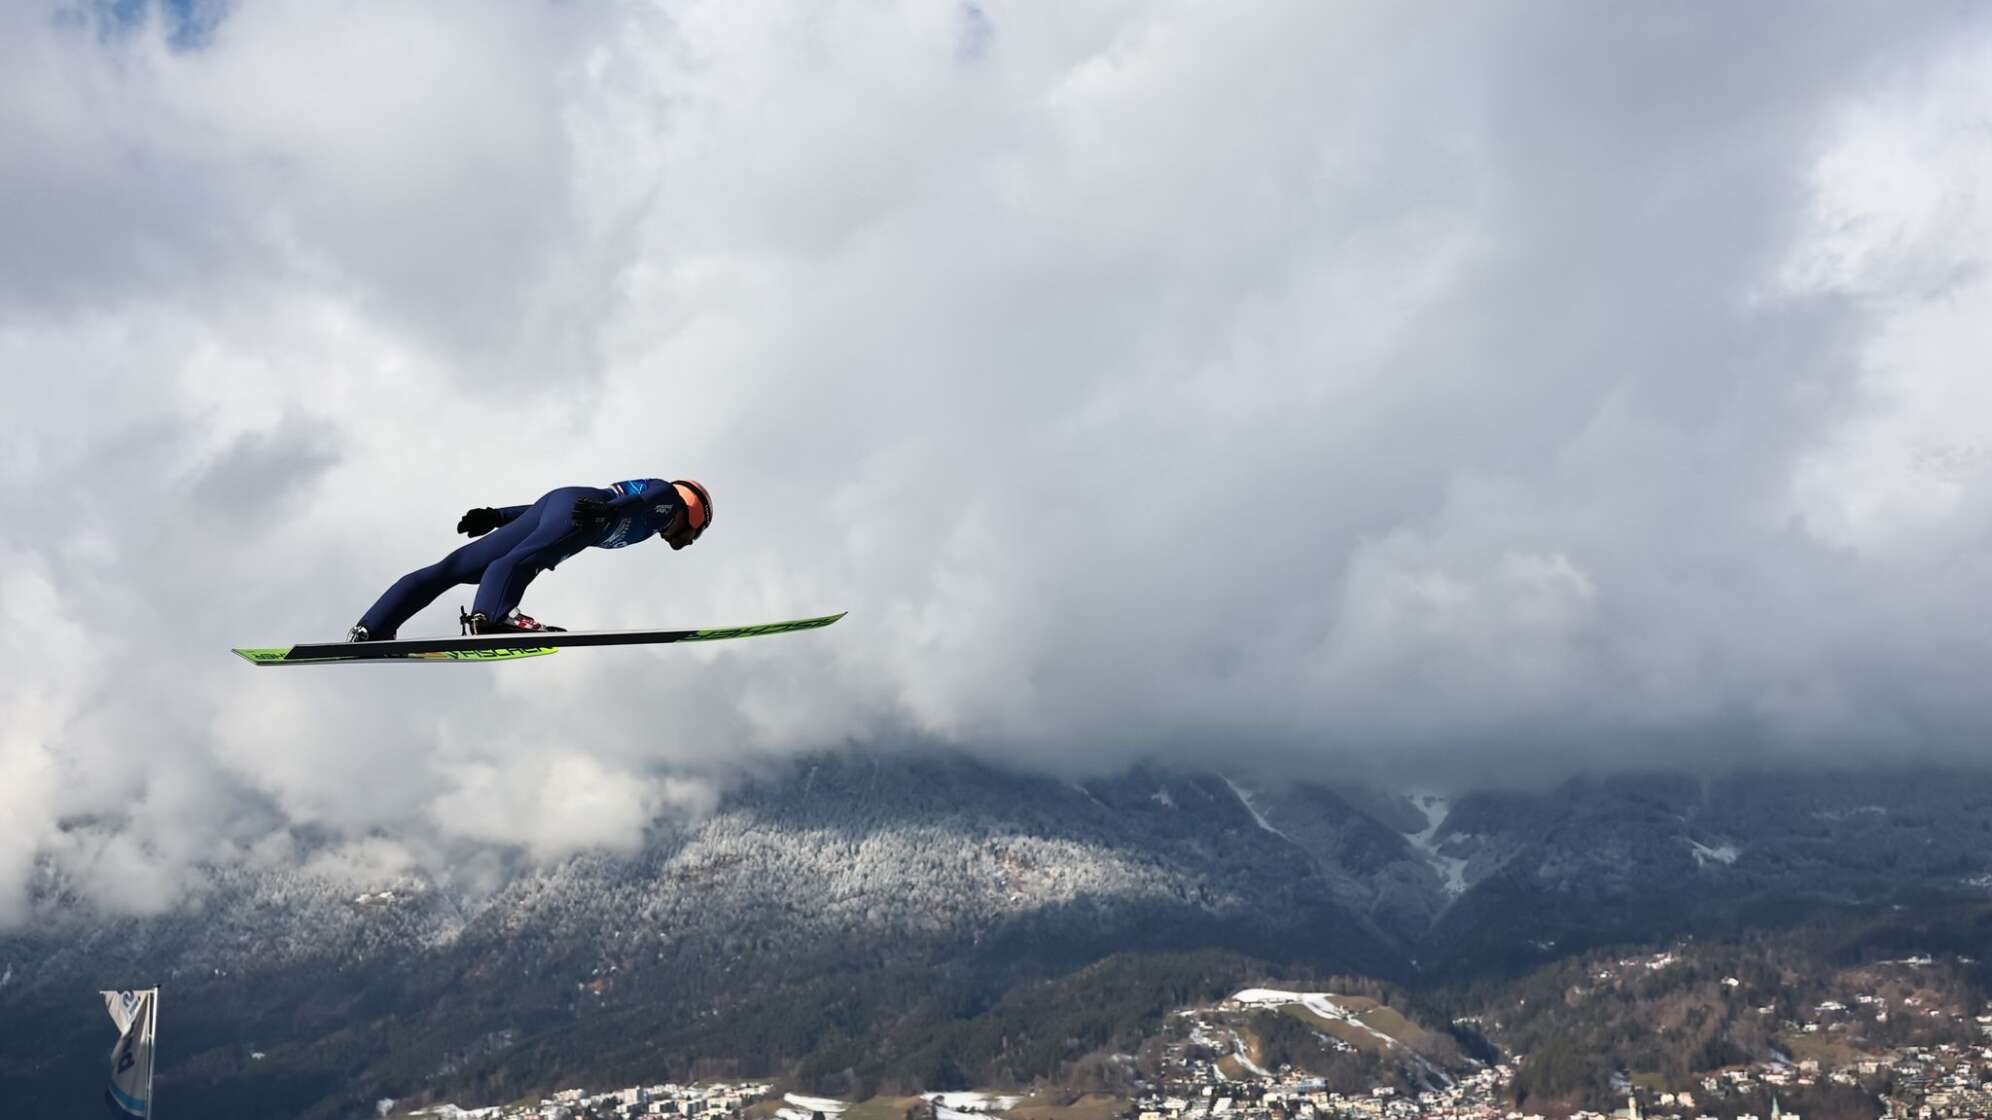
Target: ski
505,647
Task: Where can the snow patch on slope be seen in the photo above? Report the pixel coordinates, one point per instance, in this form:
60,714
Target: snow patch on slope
1244,1059
971,1101
1721,853
824,1105
1245,799
1451,869
1324,1005
1235,1044
1087,794
1320,1003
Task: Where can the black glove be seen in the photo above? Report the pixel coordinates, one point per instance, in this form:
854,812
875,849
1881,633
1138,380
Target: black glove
588,511
477,522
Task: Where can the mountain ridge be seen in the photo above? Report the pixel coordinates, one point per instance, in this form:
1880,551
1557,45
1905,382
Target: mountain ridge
911,891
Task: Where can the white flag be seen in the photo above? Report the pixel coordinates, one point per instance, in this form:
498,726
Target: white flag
137,1017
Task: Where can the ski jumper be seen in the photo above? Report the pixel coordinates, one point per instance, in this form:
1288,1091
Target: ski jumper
529,540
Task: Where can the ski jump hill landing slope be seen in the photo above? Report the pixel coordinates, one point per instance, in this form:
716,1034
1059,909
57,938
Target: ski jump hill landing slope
505,647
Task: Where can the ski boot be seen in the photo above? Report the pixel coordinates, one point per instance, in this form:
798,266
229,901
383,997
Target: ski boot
475,622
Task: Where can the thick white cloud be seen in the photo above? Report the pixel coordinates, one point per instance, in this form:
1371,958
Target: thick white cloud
558,804
1319,388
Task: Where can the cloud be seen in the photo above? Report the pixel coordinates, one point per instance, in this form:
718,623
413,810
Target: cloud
260,472
558,805
1317,388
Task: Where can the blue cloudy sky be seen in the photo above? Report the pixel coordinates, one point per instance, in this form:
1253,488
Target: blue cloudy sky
1357,391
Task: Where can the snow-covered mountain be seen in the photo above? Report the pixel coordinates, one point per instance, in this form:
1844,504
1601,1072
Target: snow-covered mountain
854,865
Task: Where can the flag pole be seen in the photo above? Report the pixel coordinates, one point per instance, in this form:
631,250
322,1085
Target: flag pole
152,1102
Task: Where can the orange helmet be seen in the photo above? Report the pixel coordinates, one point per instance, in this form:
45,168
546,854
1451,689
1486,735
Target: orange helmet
699,509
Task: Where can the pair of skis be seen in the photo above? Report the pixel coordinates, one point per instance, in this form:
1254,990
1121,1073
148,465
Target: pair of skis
505,647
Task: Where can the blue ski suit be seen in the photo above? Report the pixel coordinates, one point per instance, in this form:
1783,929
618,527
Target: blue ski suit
529,540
